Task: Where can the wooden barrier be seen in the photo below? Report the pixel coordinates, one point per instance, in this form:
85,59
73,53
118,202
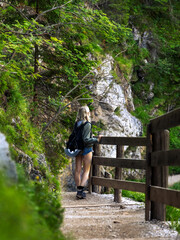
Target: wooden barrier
169,120
119,162
119,184
165,158
158,158
124,141
166,196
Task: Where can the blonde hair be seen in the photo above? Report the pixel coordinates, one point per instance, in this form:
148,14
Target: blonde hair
83,114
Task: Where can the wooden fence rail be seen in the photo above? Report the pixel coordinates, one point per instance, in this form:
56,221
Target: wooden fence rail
119,162
124,141
119,184
166,196
158,158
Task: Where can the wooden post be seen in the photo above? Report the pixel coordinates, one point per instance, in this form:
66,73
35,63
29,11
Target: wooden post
160,141
118,173
95,168
107,175
148,174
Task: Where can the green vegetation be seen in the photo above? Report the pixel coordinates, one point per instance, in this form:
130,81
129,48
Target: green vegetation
29,209
140,197
172,213
45,67
48,50
46,64
174,170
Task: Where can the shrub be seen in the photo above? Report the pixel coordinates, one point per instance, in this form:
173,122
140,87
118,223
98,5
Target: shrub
29,211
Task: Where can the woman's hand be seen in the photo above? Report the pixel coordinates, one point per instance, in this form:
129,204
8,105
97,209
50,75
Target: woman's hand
99,138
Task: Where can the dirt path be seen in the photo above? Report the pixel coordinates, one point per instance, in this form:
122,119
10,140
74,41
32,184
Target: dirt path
98,217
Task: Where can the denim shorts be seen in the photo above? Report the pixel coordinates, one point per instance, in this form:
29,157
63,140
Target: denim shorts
86,150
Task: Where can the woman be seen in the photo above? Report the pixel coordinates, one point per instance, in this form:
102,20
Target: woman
85,156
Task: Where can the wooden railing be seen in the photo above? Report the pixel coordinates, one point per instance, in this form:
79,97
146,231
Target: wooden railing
158,158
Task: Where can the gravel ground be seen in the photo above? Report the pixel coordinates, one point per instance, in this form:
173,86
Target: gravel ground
98,217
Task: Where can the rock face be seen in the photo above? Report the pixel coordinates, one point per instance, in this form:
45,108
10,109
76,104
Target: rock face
145,40
32,172
7,166
111,109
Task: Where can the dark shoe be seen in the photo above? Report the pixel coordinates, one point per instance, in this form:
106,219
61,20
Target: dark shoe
81,194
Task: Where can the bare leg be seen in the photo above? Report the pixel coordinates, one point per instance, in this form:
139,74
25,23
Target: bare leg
86,167
78,170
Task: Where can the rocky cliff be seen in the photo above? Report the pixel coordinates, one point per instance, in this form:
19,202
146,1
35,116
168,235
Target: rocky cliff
113,105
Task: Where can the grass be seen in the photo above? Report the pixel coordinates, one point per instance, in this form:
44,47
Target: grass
140,197
172,213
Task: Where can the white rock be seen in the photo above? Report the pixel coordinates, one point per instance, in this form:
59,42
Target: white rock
7,166
114,114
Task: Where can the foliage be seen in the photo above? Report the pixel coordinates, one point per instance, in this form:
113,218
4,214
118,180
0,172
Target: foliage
155,63
45,195
172,213
46,66
175,138
46,63
21,216
140,197
174,144
174,170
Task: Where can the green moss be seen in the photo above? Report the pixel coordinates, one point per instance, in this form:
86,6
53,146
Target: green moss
22,216
124,66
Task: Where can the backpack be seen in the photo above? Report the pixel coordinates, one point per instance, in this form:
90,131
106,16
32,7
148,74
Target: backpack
75,139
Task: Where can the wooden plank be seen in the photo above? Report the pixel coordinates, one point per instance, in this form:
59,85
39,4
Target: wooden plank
107,175
118,173
160,142
128,141
166,158
166,196
148,174
95,168
120,162
166,121
119,184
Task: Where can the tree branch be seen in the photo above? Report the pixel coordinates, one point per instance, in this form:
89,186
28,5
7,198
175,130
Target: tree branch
52,9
